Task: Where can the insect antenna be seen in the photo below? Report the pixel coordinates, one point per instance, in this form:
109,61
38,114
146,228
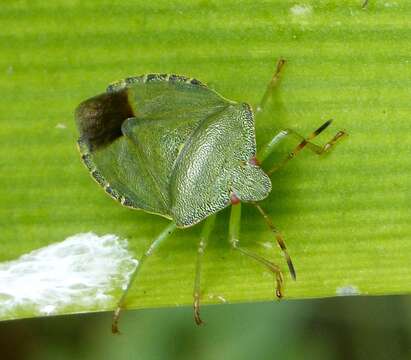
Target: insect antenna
279,238
315,133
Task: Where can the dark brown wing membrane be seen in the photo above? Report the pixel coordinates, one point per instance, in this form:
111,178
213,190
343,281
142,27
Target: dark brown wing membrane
99,118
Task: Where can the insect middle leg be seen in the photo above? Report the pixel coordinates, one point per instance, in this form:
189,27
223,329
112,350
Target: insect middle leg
157,241
304,142
205,234
234,231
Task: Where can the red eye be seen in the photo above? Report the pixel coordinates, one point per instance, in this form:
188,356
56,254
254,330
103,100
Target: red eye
234,199
254,161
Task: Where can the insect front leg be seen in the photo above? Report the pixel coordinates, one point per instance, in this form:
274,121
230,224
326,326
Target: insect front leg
234,232
271,85
157,241
205,234
304,142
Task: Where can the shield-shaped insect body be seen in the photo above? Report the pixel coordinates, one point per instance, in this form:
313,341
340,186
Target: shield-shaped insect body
169,145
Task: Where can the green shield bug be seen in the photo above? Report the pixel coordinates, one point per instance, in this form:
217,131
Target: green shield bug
171,146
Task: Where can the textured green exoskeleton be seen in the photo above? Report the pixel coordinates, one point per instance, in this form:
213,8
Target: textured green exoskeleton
171,146
174,147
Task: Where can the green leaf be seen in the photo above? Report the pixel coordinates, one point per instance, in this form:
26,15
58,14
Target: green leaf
345,217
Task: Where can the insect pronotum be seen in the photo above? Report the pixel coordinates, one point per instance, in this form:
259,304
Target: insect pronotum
169,145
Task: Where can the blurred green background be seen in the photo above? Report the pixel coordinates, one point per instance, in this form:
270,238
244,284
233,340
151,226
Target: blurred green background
340,328
344,61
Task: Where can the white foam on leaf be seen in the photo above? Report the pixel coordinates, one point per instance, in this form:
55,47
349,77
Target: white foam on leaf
79,273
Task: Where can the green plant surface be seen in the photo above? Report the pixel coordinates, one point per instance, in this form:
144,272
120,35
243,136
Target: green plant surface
345,216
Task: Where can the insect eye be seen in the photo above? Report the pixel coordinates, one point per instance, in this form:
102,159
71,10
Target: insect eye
254,161
234,198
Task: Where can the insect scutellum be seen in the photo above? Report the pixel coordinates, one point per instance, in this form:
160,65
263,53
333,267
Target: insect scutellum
158,143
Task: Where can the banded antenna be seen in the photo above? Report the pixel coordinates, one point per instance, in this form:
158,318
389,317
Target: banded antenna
280,240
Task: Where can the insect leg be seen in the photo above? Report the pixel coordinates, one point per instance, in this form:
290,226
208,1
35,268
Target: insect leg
234,231
205,234
304,142
157,241
271,85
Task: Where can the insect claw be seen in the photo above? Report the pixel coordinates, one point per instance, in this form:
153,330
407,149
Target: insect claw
279,287
279,294
281,62
114,329
197,317
114,324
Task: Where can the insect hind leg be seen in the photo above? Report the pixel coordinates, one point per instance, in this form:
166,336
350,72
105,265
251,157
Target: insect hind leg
234,230
120,305
205,234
